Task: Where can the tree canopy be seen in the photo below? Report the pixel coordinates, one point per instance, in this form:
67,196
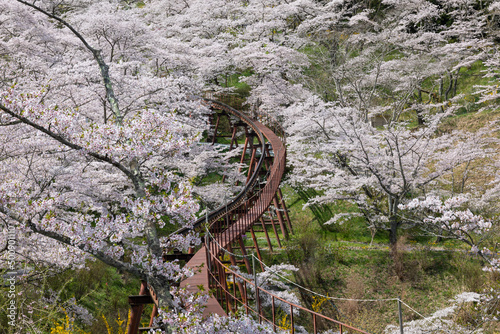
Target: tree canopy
101,117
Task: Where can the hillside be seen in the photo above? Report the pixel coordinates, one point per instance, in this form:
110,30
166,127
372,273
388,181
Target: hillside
111,149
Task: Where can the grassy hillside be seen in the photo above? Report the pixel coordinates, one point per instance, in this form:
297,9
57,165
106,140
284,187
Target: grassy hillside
339,261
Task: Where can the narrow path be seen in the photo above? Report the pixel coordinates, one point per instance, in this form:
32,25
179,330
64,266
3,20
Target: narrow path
201,279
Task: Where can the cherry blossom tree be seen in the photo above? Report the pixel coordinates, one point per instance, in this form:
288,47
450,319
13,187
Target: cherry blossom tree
359,141
89,126
100,124
453,219
101,116
336,151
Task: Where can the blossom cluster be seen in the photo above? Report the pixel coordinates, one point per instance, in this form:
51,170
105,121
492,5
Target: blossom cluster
449,215
457,220
190,318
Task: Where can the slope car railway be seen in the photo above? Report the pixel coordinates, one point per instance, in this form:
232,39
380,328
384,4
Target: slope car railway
259,207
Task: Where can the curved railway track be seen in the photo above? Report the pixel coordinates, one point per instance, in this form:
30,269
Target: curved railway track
255,205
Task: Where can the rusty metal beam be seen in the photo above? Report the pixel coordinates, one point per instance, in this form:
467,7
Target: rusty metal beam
136,311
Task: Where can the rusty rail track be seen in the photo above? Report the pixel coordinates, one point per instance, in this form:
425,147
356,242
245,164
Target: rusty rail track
228,223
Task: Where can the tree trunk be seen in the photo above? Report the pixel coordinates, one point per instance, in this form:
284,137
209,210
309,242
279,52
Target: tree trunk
162,290
393,202
455,82
441,89
393,232
450,86
418,110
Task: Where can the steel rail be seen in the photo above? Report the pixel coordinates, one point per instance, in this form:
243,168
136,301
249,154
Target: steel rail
248,207
244,301
241,197
216,248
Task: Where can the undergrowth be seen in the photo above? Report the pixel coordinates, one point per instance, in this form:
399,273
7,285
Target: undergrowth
340,262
